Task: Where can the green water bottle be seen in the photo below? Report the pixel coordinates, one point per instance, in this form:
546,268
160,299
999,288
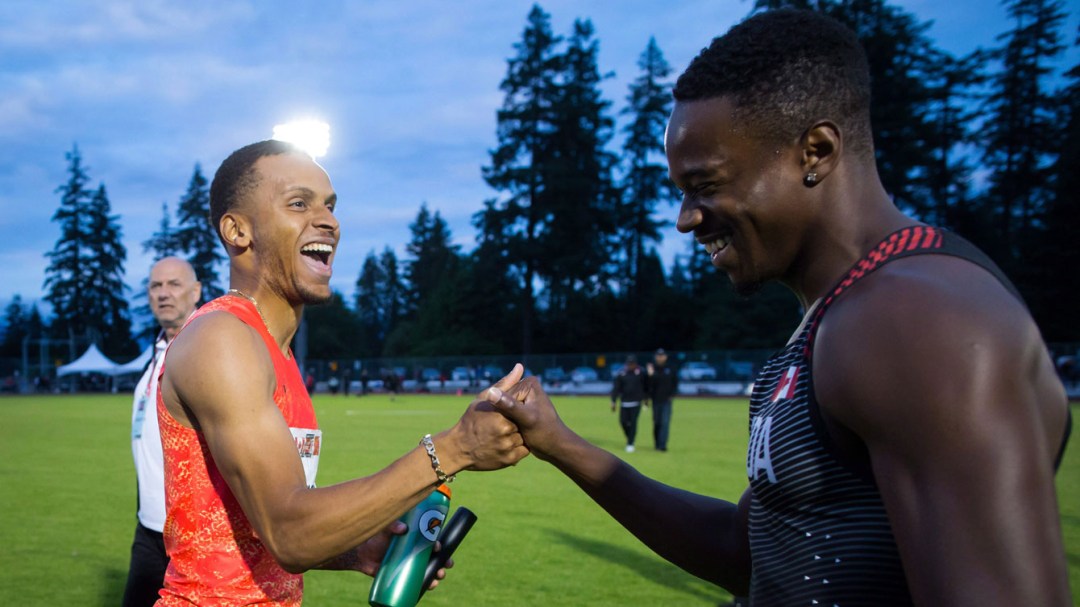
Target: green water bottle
401,576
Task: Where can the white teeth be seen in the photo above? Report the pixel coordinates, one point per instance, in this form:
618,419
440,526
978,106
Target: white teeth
318,248
712,247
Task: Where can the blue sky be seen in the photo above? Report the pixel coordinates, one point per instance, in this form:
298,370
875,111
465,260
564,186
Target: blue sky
147,88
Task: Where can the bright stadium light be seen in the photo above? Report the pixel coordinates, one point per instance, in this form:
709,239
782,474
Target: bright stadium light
312,136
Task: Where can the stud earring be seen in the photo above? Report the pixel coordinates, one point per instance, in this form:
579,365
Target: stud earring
810,179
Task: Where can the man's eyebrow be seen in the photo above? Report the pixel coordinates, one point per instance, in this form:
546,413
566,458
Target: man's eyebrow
309,194
304,191
691,175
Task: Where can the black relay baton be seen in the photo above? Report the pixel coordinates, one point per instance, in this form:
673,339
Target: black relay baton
453,532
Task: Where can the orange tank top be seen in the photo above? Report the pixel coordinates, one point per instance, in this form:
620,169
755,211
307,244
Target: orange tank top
215,556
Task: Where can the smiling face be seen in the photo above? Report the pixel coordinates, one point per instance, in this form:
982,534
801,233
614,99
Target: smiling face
294,231
742,199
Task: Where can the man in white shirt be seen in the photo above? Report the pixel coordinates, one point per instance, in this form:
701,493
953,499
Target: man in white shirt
174,294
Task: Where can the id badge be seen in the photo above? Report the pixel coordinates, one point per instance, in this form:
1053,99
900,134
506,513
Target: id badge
140,416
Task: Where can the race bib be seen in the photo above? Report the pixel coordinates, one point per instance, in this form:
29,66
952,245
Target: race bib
308,445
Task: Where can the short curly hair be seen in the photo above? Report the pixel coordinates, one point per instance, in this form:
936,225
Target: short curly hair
784,69
236,177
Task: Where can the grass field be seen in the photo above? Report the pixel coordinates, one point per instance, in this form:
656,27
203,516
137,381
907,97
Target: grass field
67,502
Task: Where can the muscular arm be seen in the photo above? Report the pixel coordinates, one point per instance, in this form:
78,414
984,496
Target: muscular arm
704,536
219,380
952,392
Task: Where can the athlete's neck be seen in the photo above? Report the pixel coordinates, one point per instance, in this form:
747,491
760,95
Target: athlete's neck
857,217
282,319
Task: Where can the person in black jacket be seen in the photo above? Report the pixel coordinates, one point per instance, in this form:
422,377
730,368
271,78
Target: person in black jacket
631,387
663,383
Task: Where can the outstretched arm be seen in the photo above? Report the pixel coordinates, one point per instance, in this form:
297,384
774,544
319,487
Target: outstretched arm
705,536
219,379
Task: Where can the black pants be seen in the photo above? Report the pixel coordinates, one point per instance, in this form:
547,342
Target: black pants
661,415
628,417
146,573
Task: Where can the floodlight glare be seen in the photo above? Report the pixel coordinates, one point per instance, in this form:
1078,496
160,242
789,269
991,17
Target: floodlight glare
312,136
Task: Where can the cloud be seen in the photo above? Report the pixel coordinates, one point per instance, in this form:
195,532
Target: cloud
22,105
147,88
48,26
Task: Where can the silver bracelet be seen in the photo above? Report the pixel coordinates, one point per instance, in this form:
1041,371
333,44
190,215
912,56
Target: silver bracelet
429,445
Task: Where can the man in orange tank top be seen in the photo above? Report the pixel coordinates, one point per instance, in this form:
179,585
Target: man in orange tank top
241,442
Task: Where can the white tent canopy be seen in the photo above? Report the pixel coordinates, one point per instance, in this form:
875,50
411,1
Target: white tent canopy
138,365
92,361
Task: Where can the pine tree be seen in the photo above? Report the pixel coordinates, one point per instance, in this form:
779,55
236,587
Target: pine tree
443,315
197,238
764,319
578,199
333,331
645,183
164,242
36,328
525,122
22,322
1053,256
393,293
85,280
666,319
15,328
380,299
369,311
104,300
949,170
1020,132
66,276
496,316
902,63
433,257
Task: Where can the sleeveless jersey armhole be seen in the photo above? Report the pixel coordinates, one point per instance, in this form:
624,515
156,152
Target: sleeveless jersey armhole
906,242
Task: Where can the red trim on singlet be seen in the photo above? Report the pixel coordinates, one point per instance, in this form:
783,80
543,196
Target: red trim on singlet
902,242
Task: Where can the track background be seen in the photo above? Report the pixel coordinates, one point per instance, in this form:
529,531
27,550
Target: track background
67,502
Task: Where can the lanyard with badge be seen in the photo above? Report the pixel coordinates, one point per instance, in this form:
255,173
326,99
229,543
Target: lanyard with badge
144,398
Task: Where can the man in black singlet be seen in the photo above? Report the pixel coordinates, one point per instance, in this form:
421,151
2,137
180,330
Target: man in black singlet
903,445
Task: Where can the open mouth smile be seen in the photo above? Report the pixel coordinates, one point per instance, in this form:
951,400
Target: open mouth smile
715,246
318,254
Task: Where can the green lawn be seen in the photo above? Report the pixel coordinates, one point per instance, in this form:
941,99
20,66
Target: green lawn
67,503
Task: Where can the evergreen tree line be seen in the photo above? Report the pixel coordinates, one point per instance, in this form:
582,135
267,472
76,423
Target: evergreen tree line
84,281
566,248
566,257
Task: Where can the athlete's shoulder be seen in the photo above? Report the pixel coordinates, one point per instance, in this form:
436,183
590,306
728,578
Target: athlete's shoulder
213,361
915,329
929,290
211,323
213,335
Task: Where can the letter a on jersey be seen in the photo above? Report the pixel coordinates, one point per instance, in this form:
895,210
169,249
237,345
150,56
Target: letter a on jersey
759,456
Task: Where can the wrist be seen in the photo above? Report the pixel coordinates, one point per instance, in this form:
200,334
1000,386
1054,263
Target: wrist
564,445
453,453
441,460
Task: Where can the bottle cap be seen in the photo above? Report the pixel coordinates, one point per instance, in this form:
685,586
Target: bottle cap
444,489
